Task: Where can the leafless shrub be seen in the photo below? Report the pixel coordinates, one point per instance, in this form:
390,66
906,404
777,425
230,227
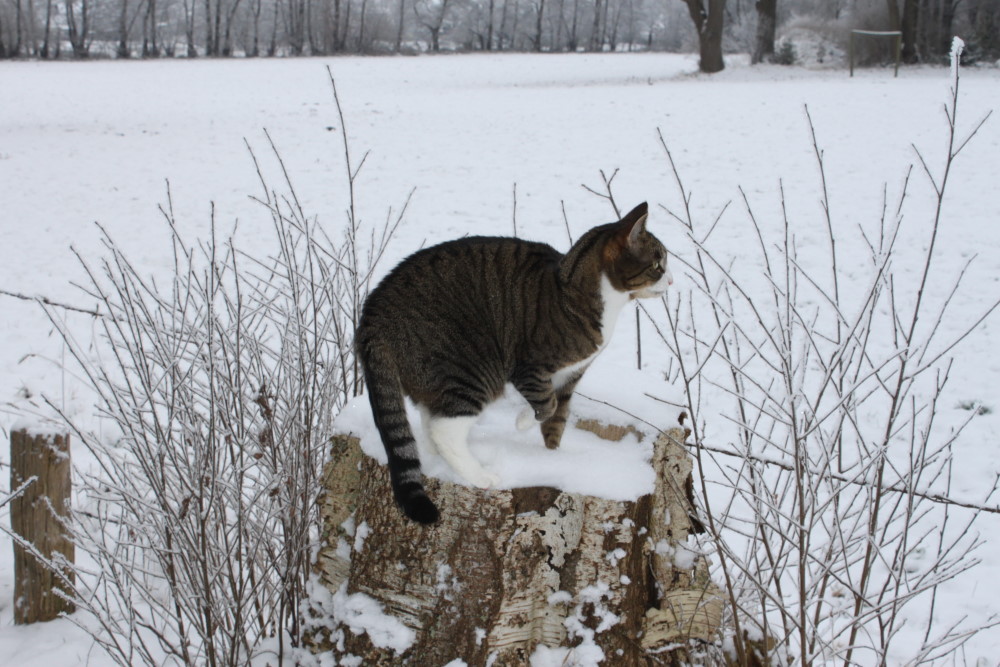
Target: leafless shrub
197,517
835,509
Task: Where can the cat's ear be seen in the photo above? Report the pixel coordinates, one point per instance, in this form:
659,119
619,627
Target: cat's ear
634,223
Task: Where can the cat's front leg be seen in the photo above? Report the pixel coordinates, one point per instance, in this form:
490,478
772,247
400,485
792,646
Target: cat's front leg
539,393
555,425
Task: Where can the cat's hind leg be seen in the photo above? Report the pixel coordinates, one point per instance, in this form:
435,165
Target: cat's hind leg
451,435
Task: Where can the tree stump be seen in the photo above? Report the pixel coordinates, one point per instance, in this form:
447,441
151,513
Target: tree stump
512,577
38,516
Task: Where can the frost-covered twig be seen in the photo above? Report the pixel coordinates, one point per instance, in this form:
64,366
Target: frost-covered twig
46,301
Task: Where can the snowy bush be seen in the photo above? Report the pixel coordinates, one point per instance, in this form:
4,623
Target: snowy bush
836,513
814,42
216,394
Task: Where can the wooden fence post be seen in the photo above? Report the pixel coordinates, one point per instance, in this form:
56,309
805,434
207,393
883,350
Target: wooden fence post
37,515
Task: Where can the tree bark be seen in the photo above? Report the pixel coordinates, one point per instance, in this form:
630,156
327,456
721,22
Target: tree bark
763,50
510,572
38,516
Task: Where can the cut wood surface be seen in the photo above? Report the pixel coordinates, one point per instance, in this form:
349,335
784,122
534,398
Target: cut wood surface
508,575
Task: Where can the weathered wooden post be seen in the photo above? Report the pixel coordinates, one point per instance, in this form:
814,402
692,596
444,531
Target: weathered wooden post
37,514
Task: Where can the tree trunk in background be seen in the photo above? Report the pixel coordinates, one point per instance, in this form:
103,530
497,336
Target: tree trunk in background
557,40
513,27
30,29
402,24
538,26
595,30
489,26
948,9
507,572
345,28
189,16
272,47
574,40
708,23
209,41
908,26
893,8
906,22
362,47
335,42
78,33
46,35
763,50
18,29
123,50
256,7
150,45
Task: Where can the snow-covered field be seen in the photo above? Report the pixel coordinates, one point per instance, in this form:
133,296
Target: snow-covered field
97,142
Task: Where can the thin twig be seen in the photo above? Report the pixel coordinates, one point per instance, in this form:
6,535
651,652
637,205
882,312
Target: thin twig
45,301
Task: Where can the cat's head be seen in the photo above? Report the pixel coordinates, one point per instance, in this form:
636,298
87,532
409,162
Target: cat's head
634,260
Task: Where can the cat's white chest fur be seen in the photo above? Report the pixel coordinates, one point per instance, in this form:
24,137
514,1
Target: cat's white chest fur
614,301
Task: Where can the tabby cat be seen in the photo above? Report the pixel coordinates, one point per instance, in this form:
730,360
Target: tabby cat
452,324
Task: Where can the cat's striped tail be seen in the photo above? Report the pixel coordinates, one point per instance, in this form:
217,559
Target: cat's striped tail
389,410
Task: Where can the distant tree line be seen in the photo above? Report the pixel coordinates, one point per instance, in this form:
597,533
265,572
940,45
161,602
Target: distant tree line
253,28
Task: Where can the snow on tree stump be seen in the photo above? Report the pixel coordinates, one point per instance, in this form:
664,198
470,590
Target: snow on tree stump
512,577
40,466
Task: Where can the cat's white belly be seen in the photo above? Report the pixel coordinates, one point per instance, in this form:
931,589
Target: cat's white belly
614,301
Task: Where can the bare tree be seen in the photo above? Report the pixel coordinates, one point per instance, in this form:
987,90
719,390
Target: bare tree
78,26
190,10
431,14
763,50
47,32
573,41
150,31
200,516
840,476
295,25
255,9
707,16
401,25
539,11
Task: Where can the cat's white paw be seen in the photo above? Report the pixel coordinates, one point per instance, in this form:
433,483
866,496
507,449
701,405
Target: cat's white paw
526,419
485,480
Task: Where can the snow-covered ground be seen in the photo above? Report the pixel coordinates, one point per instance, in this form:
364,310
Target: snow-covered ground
97,142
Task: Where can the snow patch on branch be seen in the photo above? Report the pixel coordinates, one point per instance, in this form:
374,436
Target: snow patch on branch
957,46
